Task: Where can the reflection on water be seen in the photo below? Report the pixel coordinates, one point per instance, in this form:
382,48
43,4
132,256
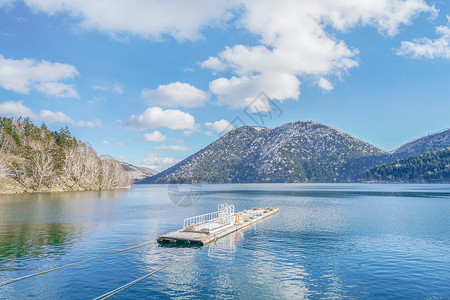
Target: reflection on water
40,225
226,246
20,240
62,196
328,241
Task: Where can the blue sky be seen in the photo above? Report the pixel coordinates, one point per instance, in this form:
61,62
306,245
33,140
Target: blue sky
151,82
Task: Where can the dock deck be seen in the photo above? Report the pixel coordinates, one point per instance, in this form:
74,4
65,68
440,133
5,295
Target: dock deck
204,232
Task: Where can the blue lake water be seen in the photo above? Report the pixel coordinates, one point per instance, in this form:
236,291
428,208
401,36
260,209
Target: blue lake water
328,241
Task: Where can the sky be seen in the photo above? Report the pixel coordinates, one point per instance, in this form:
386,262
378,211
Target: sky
152,82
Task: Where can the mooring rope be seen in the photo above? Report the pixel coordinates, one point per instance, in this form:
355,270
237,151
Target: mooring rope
130,284
6,282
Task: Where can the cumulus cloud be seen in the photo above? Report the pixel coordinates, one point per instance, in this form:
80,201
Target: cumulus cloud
239,92
214,63
172,148
147,19
175,94
156,117
428,48
154,136
154,161
220,126
18,109
295,41
325,84
185,20
296,37
22,75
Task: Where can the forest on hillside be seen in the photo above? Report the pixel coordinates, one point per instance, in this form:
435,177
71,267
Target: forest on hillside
35,158
432,166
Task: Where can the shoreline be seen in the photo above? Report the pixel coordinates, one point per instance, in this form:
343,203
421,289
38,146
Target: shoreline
17,190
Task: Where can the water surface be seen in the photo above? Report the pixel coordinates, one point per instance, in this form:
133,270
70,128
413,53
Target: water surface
328,241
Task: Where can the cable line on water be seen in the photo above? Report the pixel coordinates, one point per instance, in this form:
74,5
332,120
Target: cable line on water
9,281
130,284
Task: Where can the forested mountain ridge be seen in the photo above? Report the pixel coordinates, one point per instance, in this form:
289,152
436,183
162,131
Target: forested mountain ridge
302,151
37,159
137,173
424,144
430,167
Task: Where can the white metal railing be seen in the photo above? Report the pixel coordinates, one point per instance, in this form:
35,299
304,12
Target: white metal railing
207,222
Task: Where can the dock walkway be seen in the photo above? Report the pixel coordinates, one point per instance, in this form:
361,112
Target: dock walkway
203,233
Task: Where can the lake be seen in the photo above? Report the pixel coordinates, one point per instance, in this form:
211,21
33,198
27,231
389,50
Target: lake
328,241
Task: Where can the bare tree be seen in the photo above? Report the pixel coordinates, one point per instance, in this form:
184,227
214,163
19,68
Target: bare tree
42,164
75,169
3,166
113,175
5,147
19,168
92,165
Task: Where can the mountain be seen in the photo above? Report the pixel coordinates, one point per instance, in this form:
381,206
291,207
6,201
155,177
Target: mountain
430,142
137,173
302,151
432,166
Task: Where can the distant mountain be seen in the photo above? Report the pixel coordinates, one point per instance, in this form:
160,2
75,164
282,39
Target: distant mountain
303,151
430,142
432,166
137,173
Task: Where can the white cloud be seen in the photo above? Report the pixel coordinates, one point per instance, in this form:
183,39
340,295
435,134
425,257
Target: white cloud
185,20
100,88
296,37
143,18
295,41
427,48
15,109
239,92
154,136
22,75
173,148
196,128
156,117
6,3
325,84
116,88
18,109
88,123
214,63
54,117
220,126
154,161
57,89
113,142
175,94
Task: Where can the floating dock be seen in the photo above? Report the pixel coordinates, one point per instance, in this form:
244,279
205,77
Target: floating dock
208,228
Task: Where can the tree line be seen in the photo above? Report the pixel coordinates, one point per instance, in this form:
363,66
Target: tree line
433,166
38,159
